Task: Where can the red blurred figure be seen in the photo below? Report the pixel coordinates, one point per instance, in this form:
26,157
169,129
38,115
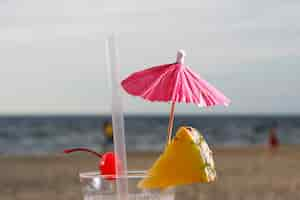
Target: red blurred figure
273,139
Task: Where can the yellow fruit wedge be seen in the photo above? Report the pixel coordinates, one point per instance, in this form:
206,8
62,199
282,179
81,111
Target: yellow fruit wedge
186,160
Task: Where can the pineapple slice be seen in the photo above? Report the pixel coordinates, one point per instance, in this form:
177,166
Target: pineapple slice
186,160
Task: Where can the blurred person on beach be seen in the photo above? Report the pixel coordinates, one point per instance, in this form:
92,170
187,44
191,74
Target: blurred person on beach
108,134
273,140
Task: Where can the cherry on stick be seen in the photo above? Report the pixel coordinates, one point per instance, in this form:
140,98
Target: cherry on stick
107,163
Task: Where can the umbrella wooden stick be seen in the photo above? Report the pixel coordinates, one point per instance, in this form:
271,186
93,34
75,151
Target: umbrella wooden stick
180,60
171,121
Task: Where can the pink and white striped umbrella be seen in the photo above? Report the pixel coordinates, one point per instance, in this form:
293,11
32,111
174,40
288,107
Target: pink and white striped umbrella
173,83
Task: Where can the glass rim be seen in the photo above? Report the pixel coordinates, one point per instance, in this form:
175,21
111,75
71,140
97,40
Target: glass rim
132,174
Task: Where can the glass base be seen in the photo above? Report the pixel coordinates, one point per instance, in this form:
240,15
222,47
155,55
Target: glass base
99,187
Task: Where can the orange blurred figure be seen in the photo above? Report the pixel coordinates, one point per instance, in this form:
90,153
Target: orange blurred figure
108,132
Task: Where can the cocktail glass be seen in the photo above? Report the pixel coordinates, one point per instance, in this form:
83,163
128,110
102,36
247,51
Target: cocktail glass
103,187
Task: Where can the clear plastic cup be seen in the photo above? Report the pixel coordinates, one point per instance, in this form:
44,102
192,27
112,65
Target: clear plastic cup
101,187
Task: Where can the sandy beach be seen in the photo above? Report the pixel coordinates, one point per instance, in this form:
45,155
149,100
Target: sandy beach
243,173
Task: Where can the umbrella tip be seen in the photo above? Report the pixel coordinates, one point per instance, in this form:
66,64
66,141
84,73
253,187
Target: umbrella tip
180,56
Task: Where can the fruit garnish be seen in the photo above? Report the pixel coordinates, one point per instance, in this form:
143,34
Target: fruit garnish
107,163
186,160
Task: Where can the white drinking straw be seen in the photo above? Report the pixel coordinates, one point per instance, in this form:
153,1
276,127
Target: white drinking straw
117,117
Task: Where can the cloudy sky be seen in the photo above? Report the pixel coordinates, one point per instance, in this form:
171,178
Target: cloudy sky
53,52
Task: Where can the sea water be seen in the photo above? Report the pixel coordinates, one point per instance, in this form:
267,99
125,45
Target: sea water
52,134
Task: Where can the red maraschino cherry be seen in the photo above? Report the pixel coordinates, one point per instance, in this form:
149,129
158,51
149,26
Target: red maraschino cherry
106,165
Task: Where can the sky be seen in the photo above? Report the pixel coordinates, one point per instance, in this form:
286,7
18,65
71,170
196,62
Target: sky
53,53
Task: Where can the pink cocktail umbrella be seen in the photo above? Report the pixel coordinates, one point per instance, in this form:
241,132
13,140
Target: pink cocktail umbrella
173,83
